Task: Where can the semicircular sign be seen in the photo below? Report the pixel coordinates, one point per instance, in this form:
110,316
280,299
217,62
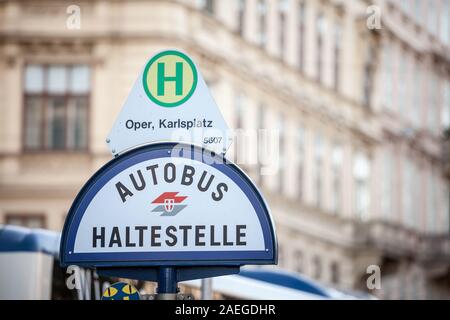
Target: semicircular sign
168,204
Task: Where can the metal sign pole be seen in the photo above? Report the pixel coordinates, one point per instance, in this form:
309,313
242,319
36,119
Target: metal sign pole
167,284
207,289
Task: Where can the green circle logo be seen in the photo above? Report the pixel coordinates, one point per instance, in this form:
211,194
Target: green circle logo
170,78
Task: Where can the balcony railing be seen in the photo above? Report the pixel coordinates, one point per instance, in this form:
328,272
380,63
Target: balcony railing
395,240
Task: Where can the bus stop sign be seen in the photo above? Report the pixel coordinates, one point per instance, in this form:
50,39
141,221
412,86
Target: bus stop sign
168,204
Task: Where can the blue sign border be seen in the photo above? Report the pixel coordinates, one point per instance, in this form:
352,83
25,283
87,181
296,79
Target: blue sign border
172,258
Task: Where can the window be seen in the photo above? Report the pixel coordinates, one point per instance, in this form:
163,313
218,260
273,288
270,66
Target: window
408,193
361,175
418,13
300,160
388,76
262,11
414,190
445,22
402,101
281,138
417,93
239,145
301,34
261,133
282,10
239,110
281,256
299,261
56,101
317,268
336,180
335,273
431,203
26,220
318,155
320,30
207,5
337,54
446,208
445,110
432,17
387,184
241,16
433,94
368,75
405,5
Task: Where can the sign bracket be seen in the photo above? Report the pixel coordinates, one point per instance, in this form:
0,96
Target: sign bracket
182,273
168,277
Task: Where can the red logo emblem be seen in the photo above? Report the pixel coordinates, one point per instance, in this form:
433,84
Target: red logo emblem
169,204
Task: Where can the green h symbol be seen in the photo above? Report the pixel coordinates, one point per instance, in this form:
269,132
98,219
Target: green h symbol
178,78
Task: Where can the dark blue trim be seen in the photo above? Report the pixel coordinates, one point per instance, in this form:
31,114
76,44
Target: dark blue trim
156,151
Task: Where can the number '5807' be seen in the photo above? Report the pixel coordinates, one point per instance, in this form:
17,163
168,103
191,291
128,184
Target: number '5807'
210,140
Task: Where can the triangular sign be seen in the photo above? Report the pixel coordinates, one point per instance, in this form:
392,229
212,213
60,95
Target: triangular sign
170,101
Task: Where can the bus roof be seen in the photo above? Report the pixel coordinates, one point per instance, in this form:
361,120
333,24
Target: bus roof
14,238
286,279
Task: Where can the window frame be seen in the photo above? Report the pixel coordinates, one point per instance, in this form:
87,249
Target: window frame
208,6
300,165
317,271
282,16
335,273
299,259
320,30
282,123
241,10
301,16
24,216
319,165
337,55
337,177
362,185
45,95
262,10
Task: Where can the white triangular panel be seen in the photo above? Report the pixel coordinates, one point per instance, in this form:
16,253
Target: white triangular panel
196,120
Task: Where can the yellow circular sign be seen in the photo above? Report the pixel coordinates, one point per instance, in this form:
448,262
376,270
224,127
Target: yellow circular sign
121,291
170,78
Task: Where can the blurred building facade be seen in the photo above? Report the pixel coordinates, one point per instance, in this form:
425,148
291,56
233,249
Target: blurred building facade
360,113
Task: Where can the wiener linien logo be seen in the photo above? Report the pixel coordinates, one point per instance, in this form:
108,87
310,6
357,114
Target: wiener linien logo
170,78
169,203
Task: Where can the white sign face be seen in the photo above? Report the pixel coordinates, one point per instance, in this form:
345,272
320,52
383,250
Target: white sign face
158,204
170,101
169,216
